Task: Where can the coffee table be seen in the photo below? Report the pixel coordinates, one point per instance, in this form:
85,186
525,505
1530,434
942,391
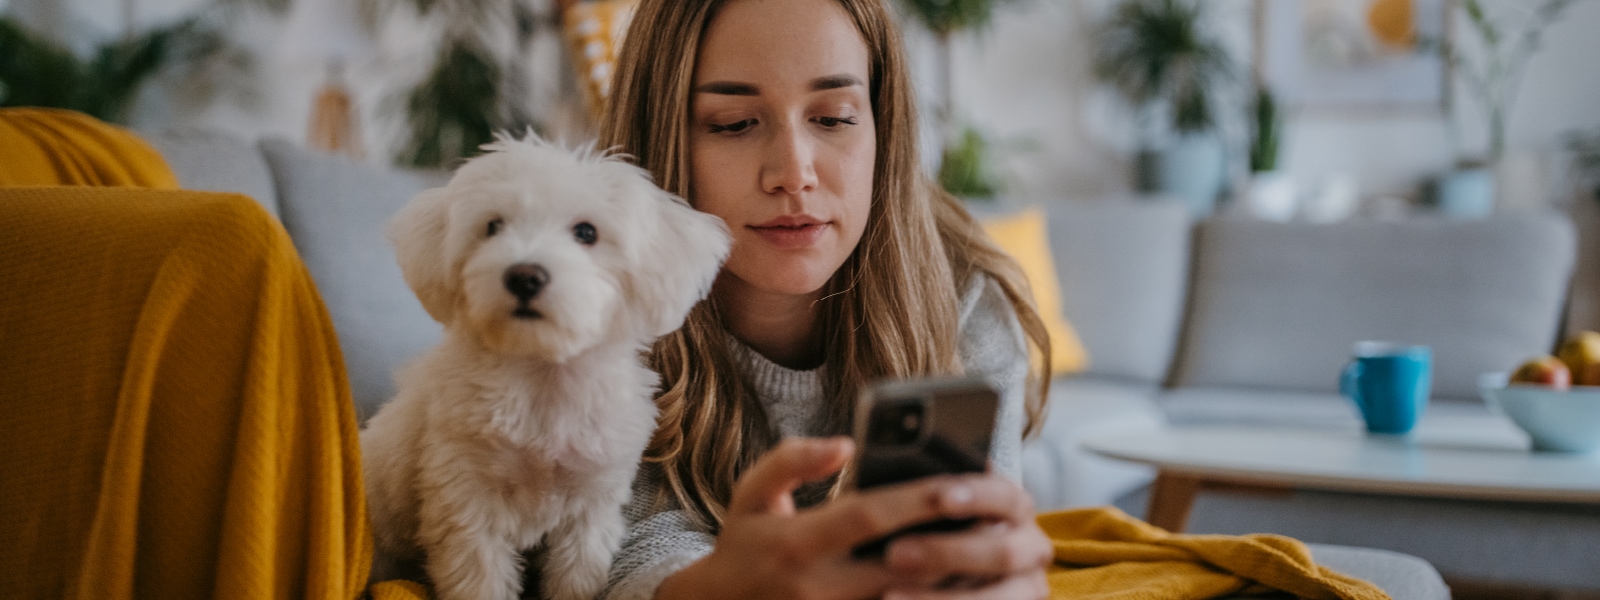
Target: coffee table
1468,456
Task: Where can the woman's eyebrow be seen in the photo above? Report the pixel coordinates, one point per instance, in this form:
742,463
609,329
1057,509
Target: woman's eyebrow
738,88
728,88
833,82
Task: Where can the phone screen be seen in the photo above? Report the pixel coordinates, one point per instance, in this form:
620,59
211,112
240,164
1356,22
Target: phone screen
911,429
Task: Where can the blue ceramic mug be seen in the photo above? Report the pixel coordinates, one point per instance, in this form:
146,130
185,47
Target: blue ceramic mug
1389,382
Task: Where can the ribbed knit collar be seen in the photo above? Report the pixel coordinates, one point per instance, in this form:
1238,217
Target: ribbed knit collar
793,398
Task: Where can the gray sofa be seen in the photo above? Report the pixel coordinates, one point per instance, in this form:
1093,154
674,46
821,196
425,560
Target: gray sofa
1124,267
1249,322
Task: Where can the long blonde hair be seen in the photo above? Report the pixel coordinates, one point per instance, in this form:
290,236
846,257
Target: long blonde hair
889,311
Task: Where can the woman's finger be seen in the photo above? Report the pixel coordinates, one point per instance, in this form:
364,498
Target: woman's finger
872,514
992,550
769,484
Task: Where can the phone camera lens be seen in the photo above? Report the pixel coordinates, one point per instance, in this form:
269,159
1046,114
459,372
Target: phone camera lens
897,424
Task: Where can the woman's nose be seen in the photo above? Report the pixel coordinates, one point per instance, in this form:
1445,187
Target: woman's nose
789,166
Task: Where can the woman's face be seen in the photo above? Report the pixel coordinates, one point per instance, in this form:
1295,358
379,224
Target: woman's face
781,142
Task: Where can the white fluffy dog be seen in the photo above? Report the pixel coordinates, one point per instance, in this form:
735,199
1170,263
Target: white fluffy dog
551,271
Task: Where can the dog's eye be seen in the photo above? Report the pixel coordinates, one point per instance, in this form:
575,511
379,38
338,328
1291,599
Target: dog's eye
585,233
494,227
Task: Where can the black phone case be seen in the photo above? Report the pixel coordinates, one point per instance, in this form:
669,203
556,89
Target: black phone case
954,424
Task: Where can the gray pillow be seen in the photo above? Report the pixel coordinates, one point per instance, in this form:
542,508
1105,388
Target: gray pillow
1278,305
1123,267
216,162
336,209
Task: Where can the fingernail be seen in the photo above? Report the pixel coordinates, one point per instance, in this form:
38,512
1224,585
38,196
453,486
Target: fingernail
906,556
957,495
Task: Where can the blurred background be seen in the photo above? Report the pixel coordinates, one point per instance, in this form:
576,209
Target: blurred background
1370,104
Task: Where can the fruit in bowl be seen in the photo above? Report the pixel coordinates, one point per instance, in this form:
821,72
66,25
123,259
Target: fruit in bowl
1557,420
1546,370
1540,398
1581,353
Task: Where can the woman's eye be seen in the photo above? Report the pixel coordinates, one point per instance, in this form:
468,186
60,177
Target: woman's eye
585,233
734,127
832,122
495,225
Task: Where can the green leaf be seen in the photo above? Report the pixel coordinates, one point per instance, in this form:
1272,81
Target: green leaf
1265,132
455,110
946,16
35,71
1156,49
965,170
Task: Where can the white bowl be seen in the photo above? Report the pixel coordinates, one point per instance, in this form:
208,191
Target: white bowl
1557,420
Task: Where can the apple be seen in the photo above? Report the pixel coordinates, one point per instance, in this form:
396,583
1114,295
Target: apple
1545,370
1581,352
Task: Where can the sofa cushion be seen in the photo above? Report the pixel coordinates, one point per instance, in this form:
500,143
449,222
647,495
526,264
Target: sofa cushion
1058,472
1123,267
216,162
336,209
1279,305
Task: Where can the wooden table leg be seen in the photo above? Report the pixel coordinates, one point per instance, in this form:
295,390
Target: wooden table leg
1170,499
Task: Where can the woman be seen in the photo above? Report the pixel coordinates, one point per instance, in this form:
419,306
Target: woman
793,121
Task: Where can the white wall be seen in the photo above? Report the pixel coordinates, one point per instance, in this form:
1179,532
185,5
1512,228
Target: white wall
1029,77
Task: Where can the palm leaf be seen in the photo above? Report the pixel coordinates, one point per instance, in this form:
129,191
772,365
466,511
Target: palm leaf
35,71
1154,49
455,110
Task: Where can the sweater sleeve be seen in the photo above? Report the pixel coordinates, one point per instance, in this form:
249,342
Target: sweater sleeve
661,540
992,344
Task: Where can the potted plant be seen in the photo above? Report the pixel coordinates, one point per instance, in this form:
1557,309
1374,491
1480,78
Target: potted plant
473,86
1156,54
1271,191
964,169
1504,40
36,71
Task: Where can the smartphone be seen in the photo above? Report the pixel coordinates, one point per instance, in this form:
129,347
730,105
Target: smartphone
912,428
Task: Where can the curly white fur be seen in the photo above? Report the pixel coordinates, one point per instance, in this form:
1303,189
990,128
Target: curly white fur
524,427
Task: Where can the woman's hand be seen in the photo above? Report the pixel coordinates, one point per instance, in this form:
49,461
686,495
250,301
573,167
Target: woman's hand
767,549
1004,556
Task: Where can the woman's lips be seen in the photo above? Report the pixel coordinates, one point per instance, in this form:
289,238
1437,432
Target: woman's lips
791,235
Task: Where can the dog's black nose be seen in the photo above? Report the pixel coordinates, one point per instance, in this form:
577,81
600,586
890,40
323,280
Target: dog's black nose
525,280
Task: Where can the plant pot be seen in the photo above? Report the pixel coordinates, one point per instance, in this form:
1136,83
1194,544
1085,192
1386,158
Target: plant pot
1467,193
1272,196
1191,168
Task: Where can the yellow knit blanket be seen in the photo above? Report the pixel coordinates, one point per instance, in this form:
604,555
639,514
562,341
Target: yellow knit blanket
48,146
177,423
1103,554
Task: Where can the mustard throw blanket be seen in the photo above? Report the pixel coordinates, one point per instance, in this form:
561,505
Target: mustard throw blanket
177,423
1104,554
49,146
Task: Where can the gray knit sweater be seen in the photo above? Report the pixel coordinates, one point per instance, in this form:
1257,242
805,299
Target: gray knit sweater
661,539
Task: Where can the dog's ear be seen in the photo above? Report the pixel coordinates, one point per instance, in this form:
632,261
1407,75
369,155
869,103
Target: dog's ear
677,262
418,233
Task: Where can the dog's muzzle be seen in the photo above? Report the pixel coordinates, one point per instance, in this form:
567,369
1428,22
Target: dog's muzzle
525,281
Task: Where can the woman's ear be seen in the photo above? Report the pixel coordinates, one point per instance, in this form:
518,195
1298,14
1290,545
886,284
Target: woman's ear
418,233
677,262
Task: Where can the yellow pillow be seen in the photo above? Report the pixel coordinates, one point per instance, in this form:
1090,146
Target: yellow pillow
1022,235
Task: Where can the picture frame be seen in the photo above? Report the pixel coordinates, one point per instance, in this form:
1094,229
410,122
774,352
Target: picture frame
1353,55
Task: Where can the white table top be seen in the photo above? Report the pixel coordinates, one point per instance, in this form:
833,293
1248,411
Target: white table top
1476,457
